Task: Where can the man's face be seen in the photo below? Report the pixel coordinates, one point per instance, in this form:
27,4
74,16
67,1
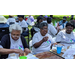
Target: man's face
15,34
64,21
20,18
44,30
69,29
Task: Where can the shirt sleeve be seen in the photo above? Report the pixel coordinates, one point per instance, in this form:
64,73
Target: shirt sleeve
58,37
53,30
35,39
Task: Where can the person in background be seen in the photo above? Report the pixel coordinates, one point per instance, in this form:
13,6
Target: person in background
30,20
11,20
42,41
72,16
66,37
36,26
23,24
45,18
51,29
14,40
63,22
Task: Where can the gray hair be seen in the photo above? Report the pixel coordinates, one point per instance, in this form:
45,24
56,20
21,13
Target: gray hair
42,24
15,27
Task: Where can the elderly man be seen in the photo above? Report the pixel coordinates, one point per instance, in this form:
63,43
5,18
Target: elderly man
14,40
42,41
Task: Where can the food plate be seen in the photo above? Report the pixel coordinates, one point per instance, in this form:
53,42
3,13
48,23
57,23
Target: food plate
47,55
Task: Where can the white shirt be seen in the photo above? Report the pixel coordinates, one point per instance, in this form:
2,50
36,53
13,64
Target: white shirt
23,23
65,38
45,21
10,20
45,46
1,46
51,30
16,45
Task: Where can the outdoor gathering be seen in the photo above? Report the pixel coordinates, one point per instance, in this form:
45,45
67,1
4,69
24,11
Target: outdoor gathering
37,37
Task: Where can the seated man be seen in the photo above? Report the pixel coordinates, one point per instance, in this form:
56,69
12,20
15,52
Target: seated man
23,24
45,18
14,40
63,22
51,29
42,41
11,20
36,26
66,37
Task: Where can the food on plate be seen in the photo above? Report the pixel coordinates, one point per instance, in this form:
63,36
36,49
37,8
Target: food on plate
22,55
63,49
12,54
68,47
47,55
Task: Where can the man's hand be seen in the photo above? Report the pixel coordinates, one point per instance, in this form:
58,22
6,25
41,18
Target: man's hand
26,50
19,51
45,39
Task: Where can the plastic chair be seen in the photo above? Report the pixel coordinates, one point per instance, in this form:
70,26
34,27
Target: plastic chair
30,45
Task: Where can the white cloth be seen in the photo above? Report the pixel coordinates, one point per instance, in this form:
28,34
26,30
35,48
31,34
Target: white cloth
23,24
45,21
1,46
65,38
10,20
51,30
69,53
45,46
15,45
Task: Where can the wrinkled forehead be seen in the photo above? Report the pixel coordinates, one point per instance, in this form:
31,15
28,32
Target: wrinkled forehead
16,31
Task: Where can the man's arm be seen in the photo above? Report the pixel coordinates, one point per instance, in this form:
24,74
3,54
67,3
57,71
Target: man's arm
36,45
7,51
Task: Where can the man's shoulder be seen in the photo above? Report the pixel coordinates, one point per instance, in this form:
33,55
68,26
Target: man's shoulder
36,34
6,37
62,32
